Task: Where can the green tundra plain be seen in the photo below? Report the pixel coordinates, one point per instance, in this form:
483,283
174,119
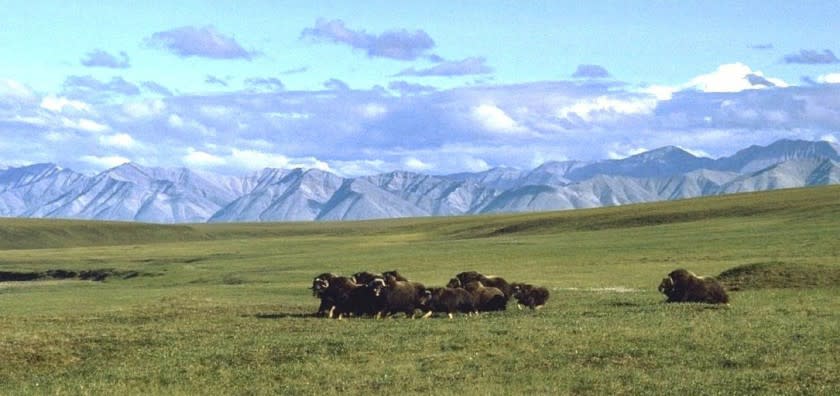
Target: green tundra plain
225,308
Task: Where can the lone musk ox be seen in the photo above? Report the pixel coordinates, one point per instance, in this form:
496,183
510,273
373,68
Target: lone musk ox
683,286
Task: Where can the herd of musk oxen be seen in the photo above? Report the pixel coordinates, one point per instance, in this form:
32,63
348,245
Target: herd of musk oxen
390,293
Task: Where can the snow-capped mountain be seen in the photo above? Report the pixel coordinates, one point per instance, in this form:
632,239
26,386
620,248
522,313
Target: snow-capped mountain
136,193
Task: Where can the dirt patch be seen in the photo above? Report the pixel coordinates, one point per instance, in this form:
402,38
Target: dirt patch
779,275
97,275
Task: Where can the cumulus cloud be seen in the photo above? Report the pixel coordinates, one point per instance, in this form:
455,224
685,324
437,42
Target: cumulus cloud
202,159
57,104
398,44
364,131
83,124
812,57
15,90
733,77
119,140
464,67
494,119
202,42
100,58
590,71
830,78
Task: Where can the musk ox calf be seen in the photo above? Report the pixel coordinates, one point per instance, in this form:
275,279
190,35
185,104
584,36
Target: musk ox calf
448,300
683,286
531,296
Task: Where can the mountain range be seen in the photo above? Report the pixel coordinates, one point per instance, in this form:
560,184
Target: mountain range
131,192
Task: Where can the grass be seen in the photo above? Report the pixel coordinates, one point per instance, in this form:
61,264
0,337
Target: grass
224,309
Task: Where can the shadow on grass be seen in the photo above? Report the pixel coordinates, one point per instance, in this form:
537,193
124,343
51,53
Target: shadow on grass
285,315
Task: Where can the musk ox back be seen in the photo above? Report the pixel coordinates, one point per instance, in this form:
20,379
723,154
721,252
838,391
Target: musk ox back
489,281
683,286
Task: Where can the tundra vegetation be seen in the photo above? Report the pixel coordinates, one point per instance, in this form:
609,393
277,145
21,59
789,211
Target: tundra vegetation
227,308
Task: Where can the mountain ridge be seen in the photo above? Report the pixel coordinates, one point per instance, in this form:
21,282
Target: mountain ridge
131,192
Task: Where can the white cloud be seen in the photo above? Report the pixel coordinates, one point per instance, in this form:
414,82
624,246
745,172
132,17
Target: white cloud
144,109
597,108
373,110
105,162
732,77
414,164
14,89
494,119
830,138
84,124
57,104
830,78
202,159
175,121
621,151
121,140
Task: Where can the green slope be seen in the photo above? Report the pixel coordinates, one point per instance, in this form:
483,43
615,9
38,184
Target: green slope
808,204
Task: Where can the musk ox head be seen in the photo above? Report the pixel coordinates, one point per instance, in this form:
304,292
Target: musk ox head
377,285
321,283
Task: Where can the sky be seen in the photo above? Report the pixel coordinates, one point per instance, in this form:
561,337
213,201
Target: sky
366,87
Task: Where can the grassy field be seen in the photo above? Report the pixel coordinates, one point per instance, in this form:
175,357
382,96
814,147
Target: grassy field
224,309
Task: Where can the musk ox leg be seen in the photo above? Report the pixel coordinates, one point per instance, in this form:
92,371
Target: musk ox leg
539,306
519,306
332,310
427,315
450,315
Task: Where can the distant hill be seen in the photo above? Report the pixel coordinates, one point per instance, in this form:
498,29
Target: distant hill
131,192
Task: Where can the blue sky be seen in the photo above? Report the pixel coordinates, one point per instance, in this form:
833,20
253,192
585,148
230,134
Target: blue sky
439,87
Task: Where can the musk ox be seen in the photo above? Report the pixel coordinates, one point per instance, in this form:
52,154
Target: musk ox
448,300
485,298
332,290
399,296
683,286
360,300
489,281
531,296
